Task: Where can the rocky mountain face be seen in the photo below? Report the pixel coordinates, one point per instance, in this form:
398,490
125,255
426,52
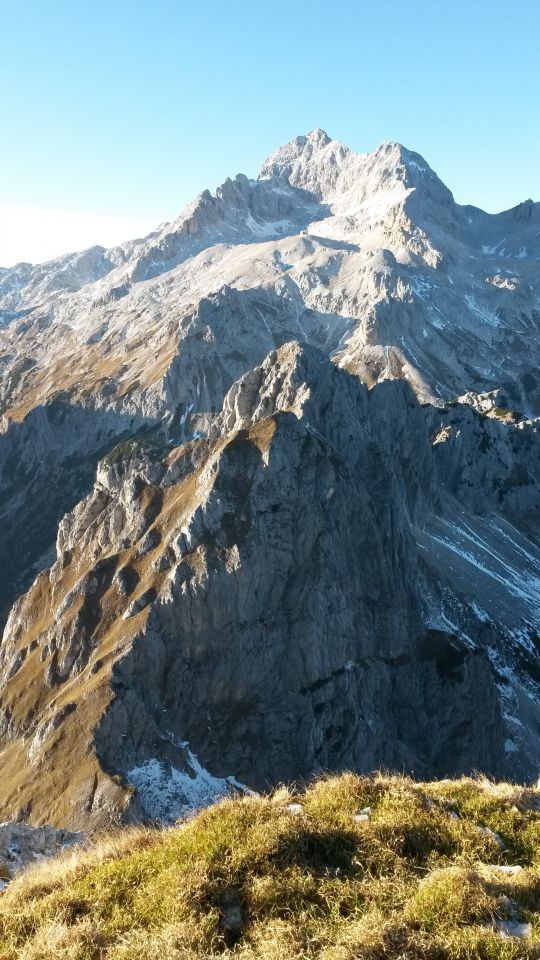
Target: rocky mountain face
269,484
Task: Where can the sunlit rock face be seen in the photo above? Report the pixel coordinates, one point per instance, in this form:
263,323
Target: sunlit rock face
269,489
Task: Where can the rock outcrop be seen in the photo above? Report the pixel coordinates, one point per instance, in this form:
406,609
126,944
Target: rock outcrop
22,845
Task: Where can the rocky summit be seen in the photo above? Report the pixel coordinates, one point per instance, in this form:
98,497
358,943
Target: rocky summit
270,495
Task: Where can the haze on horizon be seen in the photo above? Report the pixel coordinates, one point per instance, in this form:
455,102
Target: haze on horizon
116,116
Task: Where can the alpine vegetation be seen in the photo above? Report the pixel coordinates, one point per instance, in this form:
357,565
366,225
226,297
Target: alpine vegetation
353,868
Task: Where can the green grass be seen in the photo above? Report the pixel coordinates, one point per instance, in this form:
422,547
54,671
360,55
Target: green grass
250,879
127,450
505,414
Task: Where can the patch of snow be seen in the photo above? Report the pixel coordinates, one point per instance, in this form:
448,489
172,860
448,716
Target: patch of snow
268,330
494,249
379,203
483,313
526,589
436,613
13,852
166,793
515,545
408,350
422,285
438,323
273,229
479,611
185,415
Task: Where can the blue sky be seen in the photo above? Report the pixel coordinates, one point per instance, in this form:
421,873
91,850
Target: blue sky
116,113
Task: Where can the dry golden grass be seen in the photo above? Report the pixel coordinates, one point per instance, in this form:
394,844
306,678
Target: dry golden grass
250,878
102,362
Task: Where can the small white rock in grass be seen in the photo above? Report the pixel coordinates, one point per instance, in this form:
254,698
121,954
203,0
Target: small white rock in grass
511,869
295,808
507,904
491,833
453,815
513,928
362,815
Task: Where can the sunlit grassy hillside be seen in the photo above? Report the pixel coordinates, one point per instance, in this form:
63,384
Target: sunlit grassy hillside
352,868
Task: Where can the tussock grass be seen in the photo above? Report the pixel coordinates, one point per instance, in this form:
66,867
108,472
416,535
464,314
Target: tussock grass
413,877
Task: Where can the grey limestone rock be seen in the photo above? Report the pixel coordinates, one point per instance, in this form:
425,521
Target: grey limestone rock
287,448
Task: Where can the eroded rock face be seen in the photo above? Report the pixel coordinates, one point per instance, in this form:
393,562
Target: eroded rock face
275,600
47,464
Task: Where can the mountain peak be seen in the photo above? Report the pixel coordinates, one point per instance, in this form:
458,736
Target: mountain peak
328,168
318,137
315,145
394,154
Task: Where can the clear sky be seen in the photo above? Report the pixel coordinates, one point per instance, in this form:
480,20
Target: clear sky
115,113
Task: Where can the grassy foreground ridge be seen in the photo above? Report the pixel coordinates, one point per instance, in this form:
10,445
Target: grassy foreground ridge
420,874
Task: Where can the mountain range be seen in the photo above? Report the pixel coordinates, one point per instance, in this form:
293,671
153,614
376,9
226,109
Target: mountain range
269,487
